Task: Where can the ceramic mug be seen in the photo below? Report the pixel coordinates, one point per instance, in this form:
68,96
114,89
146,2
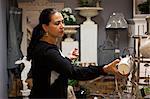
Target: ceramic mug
125,65
145,48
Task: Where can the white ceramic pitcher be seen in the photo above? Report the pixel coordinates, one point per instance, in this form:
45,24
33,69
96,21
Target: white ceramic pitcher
145,48
125,65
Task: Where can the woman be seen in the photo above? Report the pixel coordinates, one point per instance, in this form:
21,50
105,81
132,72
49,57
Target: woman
50,69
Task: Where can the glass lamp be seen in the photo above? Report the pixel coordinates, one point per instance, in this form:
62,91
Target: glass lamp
116,22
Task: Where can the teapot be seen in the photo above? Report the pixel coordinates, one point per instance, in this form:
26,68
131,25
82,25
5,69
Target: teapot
145,48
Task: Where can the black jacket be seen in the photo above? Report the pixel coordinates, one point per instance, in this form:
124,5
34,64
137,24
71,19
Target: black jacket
51,70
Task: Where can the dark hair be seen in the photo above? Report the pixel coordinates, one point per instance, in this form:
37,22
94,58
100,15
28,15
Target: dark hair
38,31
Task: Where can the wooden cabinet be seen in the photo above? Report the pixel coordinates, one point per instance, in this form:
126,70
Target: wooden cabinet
101,86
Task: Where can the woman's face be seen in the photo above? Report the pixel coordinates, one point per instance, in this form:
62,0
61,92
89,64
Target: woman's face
55,28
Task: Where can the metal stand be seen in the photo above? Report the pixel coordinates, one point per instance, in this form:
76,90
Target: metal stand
136,70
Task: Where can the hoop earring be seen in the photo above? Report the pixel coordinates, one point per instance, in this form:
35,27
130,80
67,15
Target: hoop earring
46,34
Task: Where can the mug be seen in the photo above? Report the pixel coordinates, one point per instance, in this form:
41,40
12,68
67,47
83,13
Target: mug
125,65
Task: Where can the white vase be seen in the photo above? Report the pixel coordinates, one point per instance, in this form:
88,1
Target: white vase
70,30
88,12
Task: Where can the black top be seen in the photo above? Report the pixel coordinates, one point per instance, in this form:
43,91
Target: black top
51,70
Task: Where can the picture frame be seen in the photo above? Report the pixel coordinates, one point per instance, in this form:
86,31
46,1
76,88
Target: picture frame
136,11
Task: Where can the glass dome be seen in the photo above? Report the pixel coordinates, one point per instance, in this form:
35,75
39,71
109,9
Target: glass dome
117,20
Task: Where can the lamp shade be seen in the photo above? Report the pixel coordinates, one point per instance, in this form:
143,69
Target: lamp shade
116,20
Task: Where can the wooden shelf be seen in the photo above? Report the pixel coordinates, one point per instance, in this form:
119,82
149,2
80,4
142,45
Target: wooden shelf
142,60
139,36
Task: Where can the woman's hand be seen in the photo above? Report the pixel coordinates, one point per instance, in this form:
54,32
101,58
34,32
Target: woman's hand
74,54
111,67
